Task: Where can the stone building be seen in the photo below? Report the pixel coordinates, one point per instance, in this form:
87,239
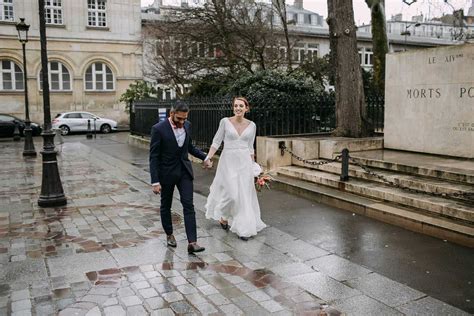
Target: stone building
312,33
94,52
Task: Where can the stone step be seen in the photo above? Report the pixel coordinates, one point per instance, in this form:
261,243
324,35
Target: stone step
452,169
440,206
411,219
426,184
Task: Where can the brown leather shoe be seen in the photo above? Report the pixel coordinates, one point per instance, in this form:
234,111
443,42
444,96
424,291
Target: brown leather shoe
171,241
194,247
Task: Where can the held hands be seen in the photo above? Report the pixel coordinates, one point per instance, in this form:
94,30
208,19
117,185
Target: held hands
157,189
207,164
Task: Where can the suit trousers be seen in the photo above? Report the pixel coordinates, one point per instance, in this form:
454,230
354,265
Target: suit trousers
184,183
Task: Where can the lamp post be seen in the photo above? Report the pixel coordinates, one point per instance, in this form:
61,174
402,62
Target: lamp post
52,193
29,149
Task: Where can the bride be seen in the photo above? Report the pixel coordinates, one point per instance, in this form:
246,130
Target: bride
233,199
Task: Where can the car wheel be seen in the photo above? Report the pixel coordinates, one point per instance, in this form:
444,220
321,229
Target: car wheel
105,128
64,129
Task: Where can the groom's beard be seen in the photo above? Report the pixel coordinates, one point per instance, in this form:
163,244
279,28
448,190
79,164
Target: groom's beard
178,124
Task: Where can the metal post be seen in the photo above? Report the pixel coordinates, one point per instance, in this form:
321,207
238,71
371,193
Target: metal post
281,146
89,131
345,165
16,132
29,149
52,193
95,129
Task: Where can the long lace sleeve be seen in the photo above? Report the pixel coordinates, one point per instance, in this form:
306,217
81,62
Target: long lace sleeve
252,138
219,137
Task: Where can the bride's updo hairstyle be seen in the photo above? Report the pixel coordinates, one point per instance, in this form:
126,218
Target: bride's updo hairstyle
247,105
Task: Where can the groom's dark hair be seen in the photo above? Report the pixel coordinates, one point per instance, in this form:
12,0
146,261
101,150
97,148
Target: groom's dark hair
179,106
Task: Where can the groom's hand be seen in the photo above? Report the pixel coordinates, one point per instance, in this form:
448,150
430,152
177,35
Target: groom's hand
208,164
157,189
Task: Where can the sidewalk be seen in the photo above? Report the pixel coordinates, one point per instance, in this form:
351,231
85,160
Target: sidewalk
104,253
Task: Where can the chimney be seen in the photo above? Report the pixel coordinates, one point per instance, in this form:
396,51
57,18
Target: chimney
299,4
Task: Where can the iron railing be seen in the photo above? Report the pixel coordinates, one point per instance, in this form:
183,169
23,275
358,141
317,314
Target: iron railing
290,115
375,111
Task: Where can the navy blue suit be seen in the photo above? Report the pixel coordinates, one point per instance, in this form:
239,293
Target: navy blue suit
170,166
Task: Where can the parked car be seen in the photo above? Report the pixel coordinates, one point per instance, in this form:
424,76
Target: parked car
7,125
77,122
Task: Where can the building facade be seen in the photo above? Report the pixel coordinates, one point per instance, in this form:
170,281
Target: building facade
312,37
94,53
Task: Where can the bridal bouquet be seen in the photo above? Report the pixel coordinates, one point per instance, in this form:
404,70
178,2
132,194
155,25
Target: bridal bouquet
263,181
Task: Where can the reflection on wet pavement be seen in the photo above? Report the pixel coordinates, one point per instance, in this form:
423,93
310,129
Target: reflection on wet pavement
48,255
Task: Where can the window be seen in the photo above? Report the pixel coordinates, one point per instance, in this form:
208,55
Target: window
6,7
59,77
307,19
366,56
53,12
163,47
11,76
96,13
312,52
99,77
5,118
87,116
73,115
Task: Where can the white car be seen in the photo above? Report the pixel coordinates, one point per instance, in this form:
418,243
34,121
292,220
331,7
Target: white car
77,122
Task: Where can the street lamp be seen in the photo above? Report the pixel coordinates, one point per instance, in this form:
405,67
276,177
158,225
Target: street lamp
29,149
407,32
52,193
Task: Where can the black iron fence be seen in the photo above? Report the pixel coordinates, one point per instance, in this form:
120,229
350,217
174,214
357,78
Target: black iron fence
291,117
375,111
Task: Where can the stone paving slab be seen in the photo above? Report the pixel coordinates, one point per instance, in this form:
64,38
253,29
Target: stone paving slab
104,254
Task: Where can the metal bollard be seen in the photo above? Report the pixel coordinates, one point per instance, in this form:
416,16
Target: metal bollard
95,129
345,165
16,132
89,131
281,146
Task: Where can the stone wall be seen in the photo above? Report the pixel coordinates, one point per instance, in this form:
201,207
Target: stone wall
429,101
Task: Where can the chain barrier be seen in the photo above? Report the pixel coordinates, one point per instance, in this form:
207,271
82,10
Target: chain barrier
469,196
309,162
456,195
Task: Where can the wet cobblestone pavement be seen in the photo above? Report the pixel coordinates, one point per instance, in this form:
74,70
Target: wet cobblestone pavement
104,254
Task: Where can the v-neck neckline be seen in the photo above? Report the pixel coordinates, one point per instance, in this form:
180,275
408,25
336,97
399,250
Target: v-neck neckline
235,129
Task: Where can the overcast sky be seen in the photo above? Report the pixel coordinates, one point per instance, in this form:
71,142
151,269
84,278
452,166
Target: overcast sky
429,8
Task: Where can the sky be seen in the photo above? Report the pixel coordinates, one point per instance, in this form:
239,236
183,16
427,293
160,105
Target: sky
429,8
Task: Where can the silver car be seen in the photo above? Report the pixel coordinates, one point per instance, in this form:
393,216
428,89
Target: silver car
77,122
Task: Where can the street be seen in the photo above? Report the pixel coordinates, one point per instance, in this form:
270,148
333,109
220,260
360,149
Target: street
105,252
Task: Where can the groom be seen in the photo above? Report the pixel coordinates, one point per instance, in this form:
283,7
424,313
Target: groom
170,167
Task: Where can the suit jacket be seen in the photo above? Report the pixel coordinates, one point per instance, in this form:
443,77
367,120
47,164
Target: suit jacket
167,159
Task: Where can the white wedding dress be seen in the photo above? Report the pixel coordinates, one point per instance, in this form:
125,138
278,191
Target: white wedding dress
232,193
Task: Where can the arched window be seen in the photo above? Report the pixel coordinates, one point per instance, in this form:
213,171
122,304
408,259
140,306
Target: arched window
99,77
11,76
59,77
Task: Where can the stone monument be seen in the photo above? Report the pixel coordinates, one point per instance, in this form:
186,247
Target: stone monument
429,101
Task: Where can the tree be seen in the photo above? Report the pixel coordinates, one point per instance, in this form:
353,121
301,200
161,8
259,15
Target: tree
136,91
221,37
379,40
279,7
351,117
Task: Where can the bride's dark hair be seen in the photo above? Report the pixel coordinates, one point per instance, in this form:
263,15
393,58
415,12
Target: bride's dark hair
243,100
